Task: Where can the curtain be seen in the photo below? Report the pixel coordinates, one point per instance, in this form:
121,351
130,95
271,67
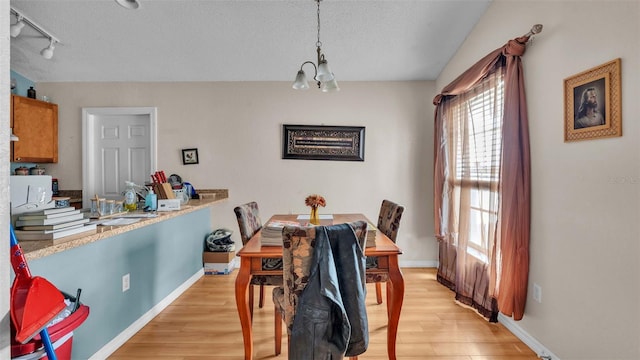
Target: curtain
482,200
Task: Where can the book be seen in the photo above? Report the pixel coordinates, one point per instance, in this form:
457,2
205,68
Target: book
51,211
271,233
35,235
56,226
371,235
31,216
54,221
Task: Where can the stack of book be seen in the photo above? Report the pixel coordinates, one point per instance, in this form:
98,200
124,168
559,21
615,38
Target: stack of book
54,226
371,235
271,234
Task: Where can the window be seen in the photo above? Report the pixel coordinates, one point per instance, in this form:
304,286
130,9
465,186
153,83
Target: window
476,126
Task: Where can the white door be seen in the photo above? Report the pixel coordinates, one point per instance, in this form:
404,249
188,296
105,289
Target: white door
119,144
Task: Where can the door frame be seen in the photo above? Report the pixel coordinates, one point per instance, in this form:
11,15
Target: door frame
89,116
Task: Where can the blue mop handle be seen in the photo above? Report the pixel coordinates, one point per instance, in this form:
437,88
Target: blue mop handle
48,347
12,238
44,334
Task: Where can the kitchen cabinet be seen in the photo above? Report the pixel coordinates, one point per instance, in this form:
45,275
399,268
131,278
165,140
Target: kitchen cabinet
35,123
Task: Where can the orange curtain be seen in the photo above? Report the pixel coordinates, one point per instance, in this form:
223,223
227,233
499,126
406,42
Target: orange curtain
508,276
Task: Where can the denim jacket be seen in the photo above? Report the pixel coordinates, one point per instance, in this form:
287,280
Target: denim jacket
331,317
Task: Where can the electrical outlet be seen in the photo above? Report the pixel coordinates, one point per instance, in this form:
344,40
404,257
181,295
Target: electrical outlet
125,282
537,292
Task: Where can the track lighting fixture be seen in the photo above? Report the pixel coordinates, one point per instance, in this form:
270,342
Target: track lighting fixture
22,20
129,4
325,78
17,27
47,52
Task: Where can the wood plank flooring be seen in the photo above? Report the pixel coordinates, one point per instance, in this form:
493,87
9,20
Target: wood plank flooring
203,324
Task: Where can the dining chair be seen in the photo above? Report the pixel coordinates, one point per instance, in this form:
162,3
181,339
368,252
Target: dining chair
299,246
249,223
389,223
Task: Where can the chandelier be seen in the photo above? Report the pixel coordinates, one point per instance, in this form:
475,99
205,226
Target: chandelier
325,78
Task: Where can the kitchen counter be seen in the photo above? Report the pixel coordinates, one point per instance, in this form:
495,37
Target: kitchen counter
159,258
34,250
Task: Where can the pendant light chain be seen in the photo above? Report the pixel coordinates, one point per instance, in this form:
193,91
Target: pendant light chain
318,44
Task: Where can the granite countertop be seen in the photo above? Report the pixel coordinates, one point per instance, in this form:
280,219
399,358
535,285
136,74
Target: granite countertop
34,250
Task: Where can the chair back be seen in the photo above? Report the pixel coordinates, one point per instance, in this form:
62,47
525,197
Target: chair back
389,219
249,221
297,255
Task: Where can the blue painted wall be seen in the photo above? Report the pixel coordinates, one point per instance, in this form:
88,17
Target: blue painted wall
22,84
159,258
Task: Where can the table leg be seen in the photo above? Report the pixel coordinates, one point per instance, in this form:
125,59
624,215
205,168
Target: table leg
395,296
242,286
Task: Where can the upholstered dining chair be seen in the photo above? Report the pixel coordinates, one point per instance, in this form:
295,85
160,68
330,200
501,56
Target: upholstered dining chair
299,245
389,223
249,222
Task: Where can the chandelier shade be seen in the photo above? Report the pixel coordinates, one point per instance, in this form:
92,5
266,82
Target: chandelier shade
301,82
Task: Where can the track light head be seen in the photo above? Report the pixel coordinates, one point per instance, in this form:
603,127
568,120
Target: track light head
47,52
17,27
129,4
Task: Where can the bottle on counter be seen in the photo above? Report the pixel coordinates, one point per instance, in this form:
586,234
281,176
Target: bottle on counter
130,198
54,187
151,201
31,93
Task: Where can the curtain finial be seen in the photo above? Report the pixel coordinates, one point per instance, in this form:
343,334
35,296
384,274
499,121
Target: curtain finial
536,29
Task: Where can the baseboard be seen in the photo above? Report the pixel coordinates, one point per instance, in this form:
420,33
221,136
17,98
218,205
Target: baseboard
529,340
125,335
418,263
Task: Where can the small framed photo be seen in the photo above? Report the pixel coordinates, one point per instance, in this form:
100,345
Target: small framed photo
189,156
592,103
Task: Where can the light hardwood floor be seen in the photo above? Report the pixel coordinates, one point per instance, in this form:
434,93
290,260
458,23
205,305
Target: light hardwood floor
203,324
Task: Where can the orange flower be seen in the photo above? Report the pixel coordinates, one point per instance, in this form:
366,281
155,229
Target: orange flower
315,200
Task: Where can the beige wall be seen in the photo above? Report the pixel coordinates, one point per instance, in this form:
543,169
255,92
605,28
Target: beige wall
237,129
586,195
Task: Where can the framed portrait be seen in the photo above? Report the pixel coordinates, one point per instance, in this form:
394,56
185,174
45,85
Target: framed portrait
189,156
309,142
592,103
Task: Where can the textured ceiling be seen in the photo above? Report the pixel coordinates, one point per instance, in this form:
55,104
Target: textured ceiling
241,40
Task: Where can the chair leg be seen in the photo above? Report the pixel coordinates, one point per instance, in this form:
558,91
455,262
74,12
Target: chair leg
379,293
261,300
278,330
251,301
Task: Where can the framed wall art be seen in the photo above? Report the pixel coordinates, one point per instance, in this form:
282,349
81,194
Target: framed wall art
323,142
592,103
189,156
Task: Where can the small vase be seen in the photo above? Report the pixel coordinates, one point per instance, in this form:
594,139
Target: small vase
313,218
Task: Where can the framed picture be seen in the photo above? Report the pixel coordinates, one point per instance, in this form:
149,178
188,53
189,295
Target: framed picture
323,142
592,103
189,156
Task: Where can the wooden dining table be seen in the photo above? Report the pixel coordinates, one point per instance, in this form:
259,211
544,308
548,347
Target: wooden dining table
253,252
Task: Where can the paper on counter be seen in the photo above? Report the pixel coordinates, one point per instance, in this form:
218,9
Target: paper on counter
121,221
321,217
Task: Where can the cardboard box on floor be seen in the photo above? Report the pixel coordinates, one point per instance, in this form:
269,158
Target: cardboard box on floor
218,263
218,257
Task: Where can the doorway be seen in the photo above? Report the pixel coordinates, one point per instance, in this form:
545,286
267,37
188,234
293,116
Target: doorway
119,144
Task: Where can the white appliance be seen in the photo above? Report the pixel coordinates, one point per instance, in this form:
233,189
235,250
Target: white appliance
30,193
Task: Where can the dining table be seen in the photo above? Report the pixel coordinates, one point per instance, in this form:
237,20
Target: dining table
385,250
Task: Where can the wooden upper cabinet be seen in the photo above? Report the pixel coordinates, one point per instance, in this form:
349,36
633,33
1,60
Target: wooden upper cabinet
35,123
